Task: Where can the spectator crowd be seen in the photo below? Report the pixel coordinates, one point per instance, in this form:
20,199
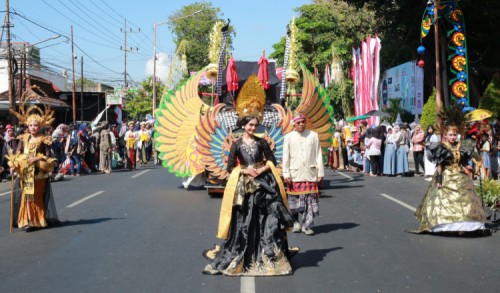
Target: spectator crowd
84,148
383,150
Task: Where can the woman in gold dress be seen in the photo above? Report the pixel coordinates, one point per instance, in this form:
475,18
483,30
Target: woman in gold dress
34,205
451,203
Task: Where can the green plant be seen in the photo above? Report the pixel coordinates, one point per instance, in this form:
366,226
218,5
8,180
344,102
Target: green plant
429,115
491,97
490,193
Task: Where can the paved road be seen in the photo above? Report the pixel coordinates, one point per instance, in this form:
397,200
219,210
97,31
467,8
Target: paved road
141,232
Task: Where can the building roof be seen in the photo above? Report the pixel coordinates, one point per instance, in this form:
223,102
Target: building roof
46,93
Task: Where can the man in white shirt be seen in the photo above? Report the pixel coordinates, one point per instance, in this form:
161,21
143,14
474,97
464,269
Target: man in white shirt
303,171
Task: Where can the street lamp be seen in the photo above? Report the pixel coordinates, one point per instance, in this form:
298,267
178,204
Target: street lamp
154,53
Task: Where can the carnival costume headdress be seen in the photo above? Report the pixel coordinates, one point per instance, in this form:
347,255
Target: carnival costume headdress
453,117
251,99
44,117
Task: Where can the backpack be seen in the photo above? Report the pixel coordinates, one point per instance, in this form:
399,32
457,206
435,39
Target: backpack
73,139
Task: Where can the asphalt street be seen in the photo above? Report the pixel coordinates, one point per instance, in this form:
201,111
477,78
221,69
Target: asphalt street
141,231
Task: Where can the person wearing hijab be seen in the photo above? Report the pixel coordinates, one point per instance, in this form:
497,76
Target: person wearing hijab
418,141
390,154
401,153
430,167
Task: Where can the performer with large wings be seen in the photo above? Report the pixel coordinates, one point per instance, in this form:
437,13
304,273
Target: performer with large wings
193,137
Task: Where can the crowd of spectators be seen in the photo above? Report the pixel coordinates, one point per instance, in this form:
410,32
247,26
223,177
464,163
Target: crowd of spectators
85,148
383,150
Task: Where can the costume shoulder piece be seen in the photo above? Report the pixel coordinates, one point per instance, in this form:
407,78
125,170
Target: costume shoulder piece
468,150
438,153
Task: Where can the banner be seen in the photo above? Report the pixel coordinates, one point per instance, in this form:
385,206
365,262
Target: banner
405,81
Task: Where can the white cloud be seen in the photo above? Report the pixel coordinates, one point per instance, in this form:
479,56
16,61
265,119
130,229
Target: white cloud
163,63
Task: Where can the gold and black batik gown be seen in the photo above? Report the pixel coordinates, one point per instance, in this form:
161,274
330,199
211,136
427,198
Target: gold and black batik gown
455,207
253,219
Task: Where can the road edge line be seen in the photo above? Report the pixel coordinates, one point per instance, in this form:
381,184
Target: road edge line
398,202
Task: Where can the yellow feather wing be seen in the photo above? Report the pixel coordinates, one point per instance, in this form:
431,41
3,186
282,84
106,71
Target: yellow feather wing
176,120
315,105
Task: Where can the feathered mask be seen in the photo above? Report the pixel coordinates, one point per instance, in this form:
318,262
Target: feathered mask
33,112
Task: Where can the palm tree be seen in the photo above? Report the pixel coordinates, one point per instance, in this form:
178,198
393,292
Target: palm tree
394,109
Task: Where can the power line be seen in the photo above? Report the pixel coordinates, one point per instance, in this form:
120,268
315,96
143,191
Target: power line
63,35
108,33
72,20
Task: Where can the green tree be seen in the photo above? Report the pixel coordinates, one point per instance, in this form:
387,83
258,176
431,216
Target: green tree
140,102
87,84
325,25
394,109
195,30
327,28
429,115
491,97
341,93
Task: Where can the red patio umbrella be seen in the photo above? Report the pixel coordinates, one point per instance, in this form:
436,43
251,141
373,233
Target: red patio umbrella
231,75
263,74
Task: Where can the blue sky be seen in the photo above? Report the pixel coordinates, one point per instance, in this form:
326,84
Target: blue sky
96,24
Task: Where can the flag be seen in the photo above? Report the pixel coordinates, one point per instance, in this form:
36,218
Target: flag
327,77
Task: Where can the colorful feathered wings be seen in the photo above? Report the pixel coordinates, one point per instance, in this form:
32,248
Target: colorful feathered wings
176,120
191,138
315,105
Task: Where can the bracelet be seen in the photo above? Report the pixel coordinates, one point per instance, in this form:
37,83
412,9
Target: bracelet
439,178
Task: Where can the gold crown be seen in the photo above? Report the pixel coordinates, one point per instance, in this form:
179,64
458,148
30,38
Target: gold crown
33,113
251,99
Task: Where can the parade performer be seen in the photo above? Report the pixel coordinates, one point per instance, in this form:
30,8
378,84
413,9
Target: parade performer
33,206
451,203
130,142
193,137
254,213
143,143
303,171
105,146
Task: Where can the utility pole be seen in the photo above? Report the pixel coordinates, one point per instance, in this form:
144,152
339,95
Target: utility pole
22,79
73,75
125,54
438,63
125,49
12,102
154,54
81,92
154,71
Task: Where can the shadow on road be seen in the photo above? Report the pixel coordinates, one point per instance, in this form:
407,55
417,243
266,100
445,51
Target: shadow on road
333,227
311,258
85,222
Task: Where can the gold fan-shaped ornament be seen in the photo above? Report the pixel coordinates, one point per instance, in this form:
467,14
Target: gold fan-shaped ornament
252,99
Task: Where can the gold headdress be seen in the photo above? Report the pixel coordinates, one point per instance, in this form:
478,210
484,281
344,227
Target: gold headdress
33,113
454,117
251,99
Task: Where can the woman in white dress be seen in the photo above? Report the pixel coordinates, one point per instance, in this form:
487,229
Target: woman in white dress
430,167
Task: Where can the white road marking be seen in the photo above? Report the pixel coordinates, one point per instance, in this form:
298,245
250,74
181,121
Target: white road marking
8,192
345,175
399,202
139,174
247,285
84,199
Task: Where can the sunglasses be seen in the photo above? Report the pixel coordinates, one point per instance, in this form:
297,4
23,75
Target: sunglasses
301,122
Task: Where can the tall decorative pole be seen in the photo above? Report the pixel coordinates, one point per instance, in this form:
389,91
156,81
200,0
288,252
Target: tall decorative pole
438,63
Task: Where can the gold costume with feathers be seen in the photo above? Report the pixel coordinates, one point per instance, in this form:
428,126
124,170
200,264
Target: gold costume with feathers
33,165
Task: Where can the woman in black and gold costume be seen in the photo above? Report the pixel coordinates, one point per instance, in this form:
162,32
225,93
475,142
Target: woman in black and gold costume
451,203
254,215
